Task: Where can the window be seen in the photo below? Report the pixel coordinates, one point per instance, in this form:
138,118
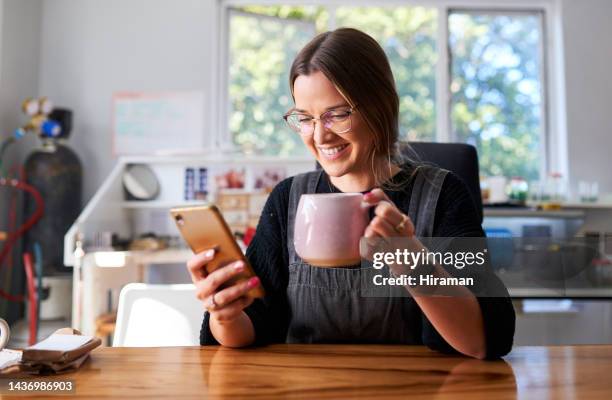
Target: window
408,36
259,91
262,47
496,89
495,76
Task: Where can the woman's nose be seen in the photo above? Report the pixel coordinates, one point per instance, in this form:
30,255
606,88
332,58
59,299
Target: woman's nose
320,132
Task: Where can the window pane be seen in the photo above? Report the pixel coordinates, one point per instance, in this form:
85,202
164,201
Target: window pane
496,87
262,48
408,36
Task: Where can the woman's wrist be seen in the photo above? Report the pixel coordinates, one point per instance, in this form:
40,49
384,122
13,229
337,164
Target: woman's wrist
236,332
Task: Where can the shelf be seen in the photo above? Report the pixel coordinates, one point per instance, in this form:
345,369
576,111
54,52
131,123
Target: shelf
532,213
589,206
122,258
160,204
570,293
218,158
572,205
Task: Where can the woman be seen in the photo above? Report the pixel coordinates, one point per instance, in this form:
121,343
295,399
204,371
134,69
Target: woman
346,112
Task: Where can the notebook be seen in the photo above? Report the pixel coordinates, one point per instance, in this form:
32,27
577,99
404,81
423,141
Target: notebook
61,348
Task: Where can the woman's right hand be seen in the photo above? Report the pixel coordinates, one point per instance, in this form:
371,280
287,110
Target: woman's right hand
226,304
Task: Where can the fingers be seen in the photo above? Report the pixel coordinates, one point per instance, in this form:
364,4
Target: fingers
379,227
228,303
209,285
389,221
389,212
375,196
197,264
405,227
231,294
401,223
232,310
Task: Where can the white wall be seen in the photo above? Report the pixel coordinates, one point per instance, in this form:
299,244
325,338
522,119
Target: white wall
19,60
20,22
587,34
92,48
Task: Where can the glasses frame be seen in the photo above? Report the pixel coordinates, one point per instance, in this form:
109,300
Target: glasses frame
314,120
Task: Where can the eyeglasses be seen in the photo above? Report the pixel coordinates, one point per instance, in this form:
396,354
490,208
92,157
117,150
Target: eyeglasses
337,121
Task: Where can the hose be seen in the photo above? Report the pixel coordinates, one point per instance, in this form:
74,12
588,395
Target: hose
13,236
18,172
32,297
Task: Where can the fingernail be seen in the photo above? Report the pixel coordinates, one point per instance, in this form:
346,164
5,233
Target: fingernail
210,253
239,266
367,196
253,282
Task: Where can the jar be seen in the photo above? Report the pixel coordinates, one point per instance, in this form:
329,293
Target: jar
518,189
555,192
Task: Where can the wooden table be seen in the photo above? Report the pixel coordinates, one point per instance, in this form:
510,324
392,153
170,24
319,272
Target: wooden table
343,371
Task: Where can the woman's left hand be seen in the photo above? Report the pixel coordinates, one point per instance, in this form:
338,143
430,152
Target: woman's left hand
389,221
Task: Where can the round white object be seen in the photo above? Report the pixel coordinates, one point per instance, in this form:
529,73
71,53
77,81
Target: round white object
140,182
5,333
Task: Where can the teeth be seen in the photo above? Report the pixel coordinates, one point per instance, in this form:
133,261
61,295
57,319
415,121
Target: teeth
333,150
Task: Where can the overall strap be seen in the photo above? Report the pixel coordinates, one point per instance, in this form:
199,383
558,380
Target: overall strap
424,198
301,184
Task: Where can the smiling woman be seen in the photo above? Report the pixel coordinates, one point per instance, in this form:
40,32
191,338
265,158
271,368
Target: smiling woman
346,113
320,81
342,154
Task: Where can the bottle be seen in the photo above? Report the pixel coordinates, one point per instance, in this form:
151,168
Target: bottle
556,191
189,193
518,189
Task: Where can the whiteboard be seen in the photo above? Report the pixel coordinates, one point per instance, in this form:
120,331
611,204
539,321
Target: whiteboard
158,123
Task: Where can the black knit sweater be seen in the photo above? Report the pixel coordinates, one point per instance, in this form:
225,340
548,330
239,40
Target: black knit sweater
456,216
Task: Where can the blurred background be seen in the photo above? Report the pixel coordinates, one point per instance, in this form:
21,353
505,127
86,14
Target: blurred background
156,103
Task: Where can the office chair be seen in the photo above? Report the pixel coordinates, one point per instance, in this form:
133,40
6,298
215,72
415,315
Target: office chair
459,158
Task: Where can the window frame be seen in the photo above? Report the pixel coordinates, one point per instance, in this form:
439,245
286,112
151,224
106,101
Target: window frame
544,167
553,137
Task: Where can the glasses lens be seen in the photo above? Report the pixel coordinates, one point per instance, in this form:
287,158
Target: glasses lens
300,123
338,121
293,122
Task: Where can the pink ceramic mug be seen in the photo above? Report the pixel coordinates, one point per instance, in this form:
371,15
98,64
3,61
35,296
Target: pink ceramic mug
328,228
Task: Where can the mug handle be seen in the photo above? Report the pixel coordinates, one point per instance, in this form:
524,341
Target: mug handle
5,333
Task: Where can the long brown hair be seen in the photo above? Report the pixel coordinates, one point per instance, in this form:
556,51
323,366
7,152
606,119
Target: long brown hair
356,64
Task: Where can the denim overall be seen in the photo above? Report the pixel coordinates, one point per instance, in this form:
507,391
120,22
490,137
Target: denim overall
328,304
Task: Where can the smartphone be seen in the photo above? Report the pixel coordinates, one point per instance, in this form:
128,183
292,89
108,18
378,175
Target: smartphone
203,228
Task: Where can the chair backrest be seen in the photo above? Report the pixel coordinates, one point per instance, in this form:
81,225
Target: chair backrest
459,158
158,315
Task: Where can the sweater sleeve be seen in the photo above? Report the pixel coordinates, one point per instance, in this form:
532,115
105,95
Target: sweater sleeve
456,216
267,254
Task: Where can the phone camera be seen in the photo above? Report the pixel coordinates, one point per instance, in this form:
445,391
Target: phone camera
179,220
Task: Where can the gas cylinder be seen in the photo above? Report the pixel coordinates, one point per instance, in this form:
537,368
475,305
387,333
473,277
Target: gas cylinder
56,172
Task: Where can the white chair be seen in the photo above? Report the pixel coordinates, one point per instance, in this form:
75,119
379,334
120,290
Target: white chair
158,315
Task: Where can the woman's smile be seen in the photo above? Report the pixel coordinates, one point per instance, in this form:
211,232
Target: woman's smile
344,156
332,153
